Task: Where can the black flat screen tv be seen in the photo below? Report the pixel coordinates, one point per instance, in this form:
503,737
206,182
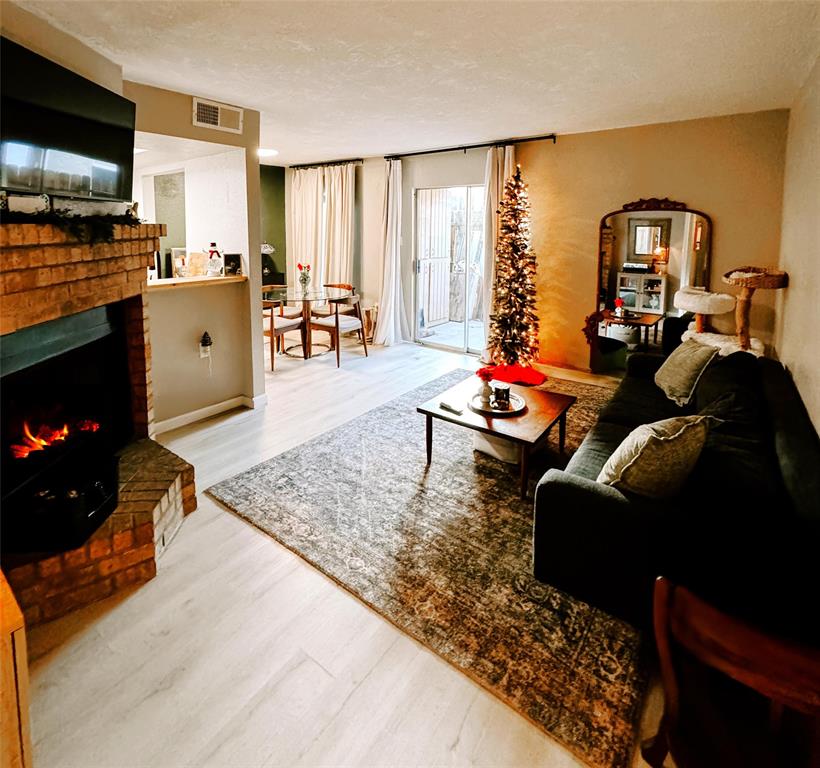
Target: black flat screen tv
61,134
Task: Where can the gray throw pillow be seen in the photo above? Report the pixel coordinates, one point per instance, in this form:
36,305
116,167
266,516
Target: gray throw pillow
681,371
654,460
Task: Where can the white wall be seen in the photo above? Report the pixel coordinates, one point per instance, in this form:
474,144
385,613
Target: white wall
796,339
216,203
216,207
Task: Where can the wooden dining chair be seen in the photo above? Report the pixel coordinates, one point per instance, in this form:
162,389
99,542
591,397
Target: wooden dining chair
339,322
344,309
285,309
734,695
277,325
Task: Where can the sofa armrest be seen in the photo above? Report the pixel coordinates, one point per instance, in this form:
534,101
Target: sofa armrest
593,542
643,365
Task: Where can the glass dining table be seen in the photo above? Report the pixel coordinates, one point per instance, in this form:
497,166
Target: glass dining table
290,295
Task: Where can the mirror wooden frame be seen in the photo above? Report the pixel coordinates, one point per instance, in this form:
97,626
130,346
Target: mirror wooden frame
652,204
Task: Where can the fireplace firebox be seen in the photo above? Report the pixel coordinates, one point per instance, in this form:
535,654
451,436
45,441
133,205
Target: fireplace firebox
65,409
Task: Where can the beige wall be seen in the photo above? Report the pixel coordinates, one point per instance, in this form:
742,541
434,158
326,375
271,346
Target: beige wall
798,328
35,34
169,113
179,316
729,167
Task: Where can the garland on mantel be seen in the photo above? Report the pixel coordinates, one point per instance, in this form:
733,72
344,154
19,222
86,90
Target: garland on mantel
98,228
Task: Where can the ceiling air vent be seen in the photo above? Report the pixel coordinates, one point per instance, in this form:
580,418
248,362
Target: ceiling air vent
220,117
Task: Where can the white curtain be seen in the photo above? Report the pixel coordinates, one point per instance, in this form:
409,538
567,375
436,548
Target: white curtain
321,222
340,193
305,241
500,166
391,326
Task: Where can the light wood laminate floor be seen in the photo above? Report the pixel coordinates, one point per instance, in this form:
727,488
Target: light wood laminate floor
238,653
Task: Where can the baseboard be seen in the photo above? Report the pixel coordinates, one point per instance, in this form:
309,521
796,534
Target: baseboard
184,419
260,401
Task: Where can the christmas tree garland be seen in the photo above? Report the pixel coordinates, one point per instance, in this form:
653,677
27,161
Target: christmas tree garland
513,336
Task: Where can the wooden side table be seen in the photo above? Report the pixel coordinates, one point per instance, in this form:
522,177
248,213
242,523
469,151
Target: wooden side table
370,315
646,321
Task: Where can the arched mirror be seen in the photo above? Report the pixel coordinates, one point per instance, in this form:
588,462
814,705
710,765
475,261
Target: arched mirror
647,250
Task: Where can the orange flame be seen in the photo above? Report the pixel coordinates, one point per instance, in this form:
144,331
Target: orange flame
46,436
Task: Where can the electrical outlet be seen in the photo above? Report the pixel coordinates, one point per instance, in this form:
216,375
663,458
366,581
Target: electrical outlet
204,351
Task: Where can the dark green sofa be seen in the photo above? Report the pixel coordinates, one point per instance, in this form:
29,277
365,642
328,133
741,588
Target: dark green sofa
742,533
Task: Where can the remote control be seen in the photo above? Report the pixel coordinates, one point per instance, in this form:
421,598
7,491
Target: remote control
447,407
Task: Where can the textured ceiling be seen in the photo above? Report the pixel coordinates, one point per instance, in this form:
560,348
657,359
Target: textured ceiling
352,79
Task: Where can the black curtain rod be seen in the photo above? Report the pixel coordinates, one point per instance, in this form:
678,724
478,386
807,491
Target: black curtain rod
545,137
322,165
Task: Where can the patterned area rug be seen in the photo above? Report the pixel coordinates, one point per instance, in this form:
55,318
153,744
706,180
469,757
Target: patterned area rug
445,555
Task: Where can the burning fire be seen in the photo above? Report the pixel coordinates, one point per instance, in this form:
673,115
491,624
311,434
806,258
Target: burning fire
46,436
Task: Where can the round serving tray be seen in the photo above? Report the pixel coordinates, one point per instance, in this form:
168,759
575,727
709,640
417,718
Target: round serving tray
517,405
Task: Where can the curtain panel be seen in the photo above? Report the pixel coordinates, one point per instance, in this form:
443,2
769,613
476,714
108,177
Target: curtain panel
391,326
500,166
340,193
305,242
322,205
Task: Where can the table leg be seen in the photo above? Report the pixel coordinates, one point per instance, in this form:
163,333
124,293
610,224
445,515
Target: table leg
429,439
656,333
646,335
562,432
525,469
306,323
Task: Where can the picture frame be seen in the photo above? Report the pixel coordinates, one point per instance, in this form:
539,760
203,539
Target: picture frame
233,264
655,230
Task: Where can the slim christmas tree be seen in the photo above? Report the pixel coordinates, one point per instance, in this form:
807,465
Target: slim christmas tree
514,327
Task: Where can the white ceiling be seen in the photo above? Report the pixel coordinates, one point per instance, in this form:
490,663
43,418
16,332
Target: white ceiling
350,79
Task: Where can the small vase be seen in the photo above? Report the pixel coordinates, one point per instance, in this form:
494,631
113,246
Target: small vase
304,281
485,392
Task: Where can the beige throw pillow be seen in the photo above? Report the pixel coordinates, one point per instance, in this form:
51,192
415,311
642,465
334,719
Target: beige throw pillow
681,371
655,459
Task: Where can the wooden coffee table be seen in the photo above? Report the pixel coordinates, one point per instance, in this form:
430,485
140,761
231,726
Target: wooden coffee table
529,429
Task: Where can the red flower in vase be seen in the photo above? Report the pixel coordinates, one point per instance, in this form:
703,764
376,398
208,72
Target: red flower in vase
486,373
305,268
619,303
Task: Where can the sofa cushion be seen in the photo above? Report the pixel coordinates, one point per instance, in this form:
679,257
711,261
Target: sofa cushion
738,450
638,401
595,449
655,460
679,375
737,374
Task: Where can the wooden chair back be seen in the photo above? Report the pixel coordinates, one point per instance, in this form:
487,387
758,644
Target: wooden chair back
784,672
343,286
272,304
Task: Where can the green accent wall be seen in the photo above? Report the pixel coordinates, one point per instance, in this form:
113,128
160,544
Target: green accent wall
272,182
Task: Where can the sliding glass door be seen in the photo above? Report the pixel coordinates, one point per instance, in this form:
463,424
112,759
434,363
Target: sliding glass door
449,267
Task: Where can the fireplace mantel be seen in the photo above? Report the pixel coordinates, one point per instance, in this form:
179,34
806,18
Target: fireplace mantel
46,273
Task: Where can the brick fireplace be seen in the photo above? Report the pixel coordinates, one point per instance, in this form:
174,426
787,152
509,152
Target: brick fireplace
47,275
